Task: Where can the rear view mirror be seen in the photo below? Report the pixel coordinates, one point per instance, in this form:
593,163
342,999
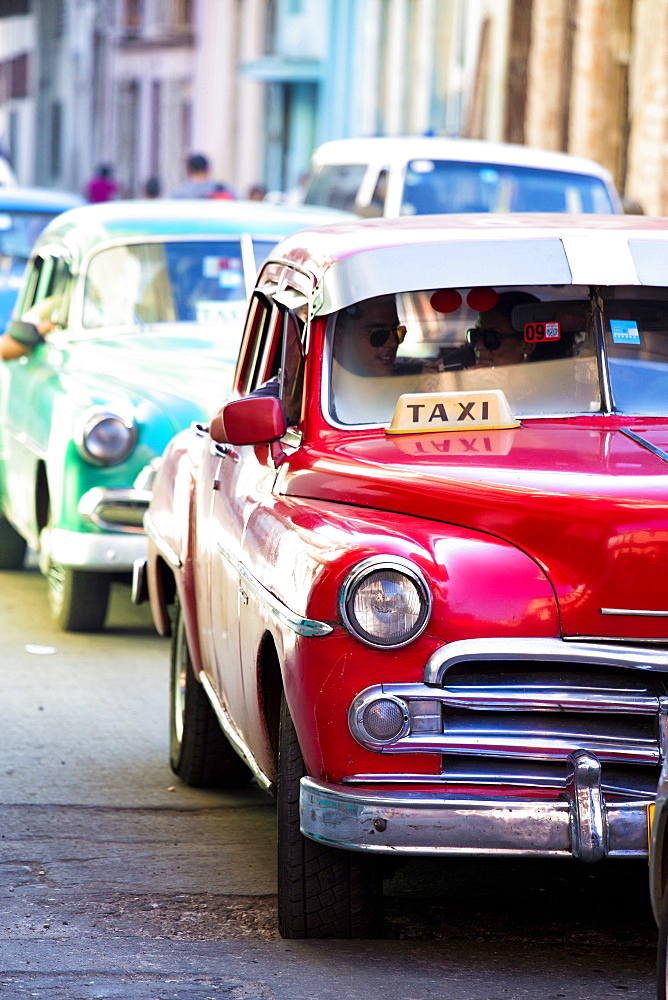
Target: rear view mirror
251,420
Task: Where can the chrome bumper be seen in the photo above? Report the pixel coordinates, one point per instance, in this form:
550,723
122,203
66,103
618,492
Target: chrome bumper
581,824
112,551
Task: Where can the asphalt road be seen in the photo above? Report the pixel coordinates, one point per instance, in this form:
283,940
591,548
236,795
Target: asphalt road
116,881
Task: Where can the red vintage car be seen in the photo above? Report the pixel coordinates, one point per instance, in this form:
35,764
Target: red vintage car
413,568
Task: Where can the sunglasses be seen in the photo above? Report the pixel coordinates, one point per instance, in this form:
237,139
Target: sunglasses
491,339
379,335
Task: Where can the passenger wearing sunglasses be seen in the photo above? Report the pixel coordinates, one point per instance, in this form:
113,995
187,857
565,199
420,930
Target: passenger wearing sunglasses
368,335
494,340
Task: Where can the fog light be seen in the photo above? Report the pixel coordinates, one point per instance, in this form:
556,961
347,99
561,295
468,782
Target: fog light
384,720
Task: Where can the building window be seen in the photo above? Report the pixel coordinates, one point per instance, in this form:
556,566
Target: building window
133,14
182,13
58,14
156,109
56,138
19,76
270,27
14,8
13,136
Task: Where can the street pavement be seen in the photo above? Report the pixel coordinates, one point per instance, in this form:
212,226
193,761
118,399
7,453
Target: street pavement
117,881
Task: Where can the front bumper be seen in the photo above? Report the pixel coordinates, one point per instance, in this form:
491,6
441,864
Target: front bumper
111,552
580,824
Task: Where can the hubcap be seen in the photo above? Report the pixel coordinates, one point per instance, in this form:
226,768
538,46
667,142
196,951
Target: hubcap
179,686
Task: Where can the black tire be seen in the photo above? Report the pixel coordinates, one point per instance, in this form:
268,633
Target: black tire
12,546
661,969
323,892
79,598
199,752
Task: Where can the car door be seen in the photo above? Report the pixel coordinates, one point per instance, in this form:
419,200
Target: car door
29,386
245,479
220,505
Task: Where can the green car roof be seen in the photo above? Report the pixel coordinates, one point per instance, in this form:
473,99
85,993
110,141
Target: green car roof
82,229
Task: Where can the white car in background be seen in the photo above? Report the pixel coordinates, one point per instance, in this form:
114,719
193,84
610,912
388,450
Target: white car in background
7,175
428,175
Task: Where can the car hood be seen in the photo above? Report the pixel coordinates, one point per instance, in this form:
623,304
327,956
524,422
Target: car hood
586,499
186,371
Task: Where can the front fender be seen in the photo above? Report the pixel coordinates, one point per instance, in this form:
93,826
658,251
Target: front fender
302,552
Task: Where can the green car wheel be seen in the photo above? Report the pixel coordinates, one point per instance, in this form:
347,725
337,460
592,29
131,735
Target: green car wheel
79,598
12,546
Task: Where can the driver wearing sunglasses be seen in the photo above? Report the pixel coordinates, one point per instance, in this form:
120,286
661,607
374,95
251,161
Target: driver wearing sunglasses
494,340
368,335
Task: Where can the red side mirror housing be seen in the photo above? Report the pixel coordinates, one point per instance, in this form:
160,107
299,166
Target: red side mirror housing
251,420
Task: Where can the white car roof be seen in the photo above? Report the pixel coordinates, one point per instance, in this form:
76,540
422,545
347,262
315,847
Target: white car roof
396,150
355,261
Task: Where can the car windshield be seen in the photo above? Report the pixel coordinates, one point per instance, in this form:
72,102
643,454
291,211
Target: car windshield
450,186
335,185
180,281
18,232
552,351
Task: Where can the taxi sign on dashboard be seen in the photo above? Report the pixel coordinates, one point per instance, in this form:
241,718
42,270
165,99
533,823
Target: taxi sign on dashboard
418,412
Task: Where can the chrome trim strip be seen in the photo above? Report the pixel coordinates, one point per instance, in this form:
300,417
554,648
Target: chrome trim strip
231,733
428,823
485,742
659,452
524,780
631,642
299,624
519,697
639,612
547,650
163,547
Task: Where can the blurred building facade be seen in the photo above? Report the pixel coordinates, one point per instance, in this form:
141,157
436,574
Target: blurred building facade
257,84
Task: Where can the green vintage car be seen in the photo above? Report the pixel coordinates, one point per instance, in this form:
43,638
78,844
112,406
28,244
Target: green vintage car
145,302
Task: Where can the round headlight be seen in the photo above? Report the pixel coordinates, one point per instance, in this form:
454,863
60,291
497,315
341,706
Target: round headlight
107,438
385,601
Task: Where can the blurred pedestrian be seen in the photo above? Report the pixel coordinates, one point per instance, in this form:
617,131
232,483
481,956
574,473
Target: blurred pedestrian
102,186
152,188
257,192
198,182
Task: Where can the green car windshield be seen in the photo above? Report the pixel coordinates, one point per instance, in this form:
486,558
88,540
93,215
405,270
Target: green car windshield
171,282
552,351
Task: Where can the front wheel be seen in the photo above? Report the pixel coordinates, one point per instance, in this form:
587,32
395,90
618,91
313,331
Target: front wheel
79,598
200,753
323,892
12,546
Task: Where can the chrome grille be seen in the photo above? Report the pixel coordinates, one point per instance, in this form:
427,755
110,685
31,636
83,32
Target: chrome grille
514,721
